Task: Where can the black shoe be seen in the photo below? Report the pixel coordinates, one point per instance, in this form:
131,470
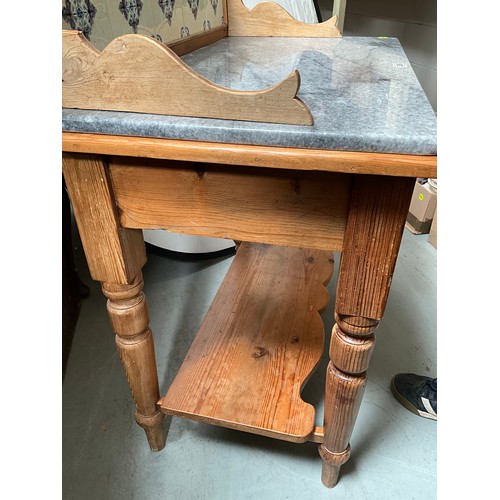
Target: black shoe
416,393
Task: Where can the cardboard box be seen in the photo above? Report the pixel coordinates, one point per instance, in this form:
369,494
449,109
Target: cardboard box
422,208
432,239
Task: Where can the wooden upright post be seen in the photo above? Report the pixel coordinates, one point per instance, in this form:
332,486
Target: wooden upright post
375,224
128,313
115,257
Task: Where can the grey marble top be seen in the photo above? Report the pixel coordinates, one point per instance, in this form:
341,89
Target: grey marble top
362,92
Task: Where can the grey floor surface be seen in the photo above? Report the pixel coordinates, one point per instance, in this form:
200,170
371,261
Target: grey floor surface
105,454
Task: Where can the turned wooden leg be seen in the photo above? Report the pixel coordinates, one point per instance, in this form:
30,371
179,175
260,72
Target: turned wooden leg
350,349
115,257
128,312
375,224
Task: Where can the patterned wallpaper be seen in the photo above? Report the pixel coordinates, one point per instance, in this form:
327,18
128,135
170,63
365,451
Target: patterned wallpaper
165,20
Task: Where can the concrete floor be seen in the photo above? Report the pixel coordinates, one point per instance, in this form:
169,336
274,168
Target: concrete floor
106,456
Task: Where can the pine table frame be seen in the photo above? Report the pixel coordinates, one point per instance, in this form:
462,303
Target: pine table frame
119,185
291,207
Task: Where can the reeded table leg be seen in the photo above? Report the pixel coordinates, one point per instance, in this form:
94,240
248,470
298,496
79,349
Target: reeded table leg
115,257
350,351
128,313
375,224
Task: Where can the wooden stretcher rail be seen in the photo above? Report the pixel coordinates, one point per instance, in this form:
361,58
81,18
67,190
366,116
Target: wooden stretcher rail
282,207
256,156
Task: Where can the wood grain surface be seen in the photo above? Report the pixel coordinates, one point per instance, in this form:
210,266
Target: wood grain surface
270,19
377,213
256,156
257,346
114,254
188,44
248,204
140,74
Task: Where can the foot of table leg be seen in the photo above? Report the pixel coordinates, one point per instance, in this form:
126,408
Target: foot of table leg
153,426
350,350
331,465
129,317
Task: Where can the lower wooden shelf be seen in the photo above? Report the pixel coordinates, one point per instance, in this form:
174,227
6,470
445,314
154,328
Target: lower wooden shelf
259,343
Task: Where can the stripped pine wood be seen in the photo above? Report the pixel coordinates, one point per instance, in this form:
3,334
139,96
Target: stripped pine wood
128,313
115,257
270,19
114,254
377,214
188,44
257,346
129,75
247,204
351,162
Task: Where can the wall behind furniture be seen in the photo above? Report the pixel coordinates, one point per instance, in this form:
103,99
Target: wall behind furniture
413,22
165,20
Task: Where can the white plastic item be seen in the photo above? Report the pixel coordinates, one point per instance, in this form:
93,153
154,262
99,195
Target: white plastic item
185,243
433,185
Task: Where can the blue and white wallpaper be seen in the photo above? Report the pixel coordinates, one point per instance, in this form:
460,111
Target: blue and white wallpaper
165,20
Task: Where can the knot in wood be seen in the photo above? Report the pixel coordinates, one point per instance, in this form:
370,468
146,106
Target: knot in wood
260,351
